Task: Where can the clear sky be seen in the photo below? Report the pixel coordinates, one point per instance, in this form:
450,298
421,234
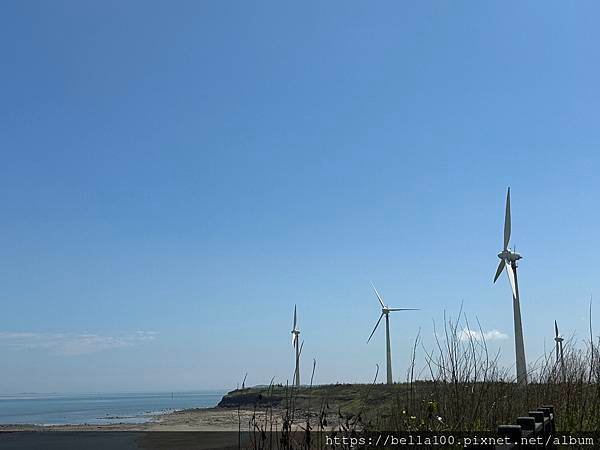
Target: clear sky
175,176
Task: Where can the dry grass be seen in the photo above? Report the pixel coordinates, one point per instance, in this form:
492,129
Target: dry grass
462,388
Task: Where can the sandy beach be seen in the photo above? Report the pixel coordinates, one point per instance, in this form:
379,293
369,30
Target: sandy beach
198,419
205,428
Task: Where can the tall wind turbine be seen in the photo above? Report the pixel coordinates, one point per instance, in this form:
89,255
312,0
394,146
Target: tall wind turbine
508,261
297,348
385,311
559,345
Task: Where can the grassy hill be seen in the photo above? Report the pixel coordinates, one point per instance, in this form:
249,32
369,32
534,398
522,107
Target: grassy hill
424,405
346,397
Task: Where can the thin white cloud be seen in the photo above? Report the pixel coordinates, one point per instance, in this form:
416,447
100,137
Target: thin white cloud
72,343
492,335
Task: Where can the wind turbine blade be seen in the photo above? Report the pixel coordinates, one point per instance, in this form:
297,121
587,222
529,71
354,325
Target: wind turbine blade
404,309
378,296
376,325
511,278
294,337
507,221
500,269
300,352
294,317
555,329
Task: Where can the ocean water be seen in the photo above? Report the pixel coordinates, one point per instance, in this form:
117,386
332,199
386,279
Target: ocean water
59,409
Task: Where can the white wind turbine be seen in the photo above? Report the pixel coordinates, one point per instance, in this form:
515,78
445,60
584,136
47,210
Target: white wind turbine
508,261
385,311
298,349
558,339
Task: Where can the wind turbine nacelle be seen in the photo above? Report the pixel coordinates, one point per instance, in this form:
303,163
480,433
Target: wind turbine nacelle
509,256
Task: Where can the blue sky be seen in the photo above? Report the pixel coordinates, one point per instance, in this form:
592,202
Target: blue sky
176,175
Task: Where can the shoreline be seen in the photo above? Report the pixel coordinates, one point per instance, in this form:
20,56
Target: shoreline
194,419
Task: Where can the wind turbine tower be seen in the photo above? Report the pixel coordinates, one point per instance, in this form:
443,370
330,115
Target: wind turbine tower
508,261
385,311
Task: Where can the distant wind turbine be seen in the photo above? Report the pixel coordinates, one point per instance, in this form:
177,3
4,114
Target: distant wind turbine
297,348
559,345
508,261
385,311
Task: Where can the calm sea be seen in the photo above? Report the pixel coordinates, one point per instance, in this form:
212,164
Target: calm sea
55,409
